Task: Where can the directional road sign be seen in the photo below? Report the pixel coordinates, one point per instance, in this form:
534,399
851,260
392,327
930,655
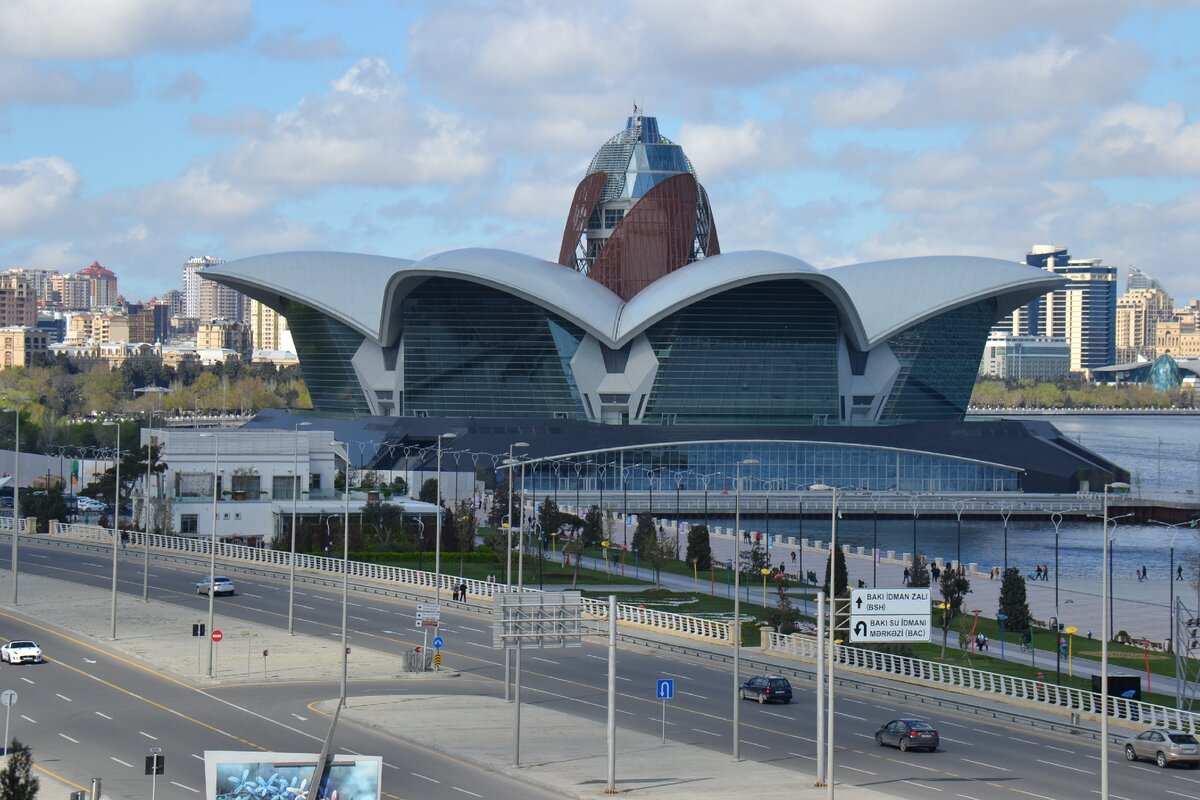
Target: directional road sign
890,615
437,642
890,628
666,689
434,607
889,601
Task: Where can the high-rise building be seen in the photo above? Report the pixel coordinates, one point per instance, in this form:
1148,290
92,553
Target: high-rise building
102,285
38,278
18,302
70,292
1038,358
223,334
206,300
173,299
148,322
1139,311
268,326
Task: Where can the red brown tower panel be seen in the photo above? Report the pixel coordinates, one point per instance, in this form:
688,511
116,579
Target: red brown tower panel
587,194
653,239
713,247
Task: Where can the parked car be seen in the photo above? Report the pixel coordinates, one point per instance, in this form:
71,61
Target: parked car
221,585
1164,746
767,689
21,651
88,504
908,734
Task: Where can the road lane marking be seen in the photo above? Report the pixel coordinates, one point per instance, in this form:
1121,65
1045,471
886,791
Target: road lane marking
772,713
756,744
1064,766
917,766
1022,741
297,716
985,764
102,714
29,719
546,660
676,675
478,644
706,733
148,736
700,696
1177,794
1031,794
623,678
64,697
358,619
850,716
922,786
856,769
31,683
1059,749
119,761
956,741
379,610
465,791
251,594
424,777
801,755
659,720
310,608
476,630
181,786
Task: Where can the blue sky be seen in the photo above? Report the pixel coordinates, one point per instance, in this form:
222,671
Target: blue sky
140,133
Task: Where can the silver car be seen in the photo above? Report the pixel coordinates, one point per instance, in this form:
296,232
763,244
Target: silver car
1165,746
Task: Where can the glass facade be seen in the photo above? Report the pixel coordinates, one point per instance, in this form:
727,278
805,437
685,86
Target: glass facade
784,466
938,361
760,354
474,351
325,347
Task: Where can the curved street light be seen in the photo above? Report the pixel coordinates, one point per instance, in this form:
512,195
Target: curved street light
1106,588
16,519
116,522
737,606
292,557
437,542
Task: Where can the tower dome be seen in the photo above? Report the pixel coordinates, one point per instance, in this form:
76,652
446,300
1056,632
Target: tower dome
639,213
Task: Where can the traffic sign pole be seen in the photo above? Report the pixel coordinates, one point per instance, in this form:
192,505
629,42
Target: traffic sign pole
9,698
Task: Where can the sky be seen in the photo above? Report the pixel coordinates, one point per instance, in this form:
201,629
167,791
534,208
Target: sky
139,133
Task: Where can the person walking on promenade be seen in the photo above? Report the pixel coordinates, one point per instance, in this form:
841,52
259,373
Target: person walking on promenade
907,576
1179,572
1037,573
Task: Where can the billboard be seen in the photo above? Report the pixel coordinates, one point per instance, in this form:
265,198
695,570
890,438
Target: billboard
241,775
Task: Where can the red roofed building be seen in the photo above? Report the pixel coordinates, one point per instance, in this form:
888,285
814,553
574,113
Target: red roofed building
103,284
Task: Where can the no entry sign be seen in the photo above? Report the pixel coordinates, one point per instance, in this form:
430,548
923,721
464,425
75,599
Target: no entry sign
217,636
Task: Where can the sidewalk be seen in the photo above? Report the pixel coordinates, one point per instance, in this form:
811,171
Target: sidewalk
561,752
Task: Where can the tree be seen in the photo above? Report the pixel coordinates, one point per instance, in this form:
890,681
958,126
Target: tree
753,561
17,781
699,550
644,535
46,506
954,587
657,550
429,491
784,616
919,571
1013,601
842,584
593,527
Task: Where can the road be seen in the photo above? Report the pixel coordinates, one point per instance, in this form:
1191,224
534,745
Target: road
981,758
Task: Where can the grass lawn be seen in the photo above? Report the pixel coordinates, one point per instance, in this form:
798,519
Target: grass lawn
554,573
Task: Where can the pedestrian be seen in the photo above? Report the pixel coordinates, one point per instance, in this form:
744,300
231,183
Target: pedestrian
1045,572
746,536
794,558
124,539
1037,573
462,592
1089,633
1179,572
907,576
935,572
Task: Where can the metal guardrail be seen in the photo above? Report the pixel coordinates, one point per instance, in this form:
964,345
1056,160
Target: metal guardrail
982,682
661,621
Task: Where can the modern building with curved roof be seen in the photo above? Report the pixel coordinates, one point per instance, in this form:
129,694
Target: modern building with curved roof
642,320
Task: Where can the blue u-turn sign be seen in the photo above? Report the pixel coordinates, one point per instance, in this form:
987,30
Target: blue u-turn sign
666,689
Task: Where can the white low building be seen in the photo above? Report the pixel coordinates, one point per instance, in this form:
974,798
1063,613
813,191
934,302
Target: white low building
262,476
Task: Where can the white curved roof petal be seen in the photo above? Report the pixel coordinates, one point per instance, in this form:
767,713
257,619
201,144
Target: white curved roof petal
346,286
876,300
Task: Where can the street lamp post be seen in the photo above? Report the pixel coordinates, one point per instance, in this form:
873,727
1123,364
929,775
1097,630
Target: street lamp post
116,523
16,519
437,542
833,545
292,557
148,509
737,608
1002,617
508,557
345,562
212,546
1106,588
959,507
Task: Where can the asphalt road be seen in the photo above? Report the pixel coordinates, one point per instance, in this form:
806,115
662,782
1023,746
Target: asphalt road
980,759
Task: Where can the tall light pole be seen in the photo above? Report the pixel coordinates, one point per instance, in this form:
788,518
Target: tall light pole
146,503
737,608
833,517
212,547
1119,486
292,558
16,498
116,523
345,561
437,541
510,463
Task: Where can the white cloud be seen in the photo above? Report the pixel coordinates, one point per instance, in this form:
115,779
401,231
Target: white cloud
187,84
34,191
33,84
366,131
288,45
1137,139
70,29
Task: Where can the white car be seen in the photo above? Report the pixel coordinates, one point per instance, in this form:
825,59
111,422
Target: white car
21,652
221,585
88,504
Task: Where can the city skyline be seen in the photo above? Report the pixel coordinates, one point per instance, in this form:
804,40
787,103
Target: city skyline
405,128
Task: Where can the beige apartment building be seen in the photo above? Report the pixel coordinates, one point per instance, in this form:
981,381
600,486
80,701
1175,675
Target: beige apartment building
18,344
18,302
1139,313
1179,337
223,334
267,326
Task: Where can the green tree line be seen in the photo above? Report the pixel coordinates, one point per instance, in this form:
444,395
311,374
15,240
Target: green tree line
991,392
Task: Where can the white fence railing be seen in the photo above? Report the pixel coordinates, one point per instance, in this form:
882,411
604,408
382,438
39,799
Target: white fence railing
980,682
661,621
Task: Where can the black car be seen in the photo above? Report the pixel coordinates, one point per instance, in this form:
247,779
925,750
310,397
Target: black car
908,734
767,689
